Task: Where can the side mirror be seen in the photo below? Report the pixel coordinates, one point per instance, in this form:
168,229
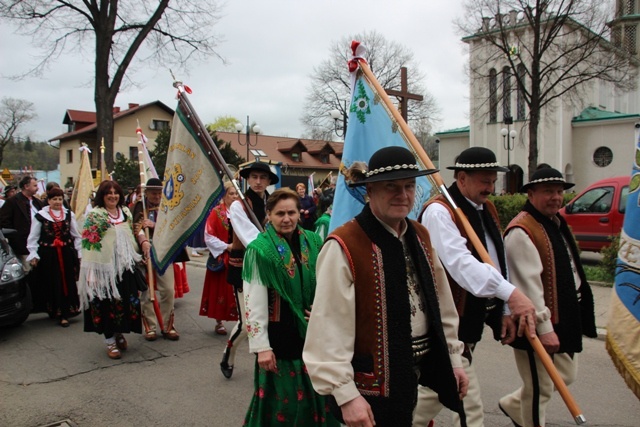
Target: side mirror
569,208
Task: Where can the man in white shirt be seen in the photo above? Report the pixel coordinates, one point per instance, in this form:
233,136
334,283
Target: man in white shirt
479,289
383,318
259,176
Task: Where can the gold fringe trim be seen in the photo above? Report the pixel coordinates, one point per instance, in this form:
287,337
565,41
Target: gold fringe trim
623,366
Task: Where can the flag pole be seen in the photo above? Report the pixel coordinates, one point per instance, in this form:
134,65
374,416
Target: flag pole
211,149
151,277
569,401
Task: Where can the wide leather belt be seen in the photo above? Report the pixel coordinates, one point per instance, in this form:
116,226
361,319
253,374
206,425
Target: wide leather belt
420,346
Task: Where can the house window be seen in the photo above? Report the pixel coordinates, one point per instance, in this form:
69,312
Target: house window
133,153
493,96
295,156
159,125
324,158
520,99
506,92
69,156
603,156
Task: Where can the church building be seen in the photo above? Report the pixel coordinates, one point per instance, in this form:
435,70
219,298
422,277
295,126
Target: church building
586,133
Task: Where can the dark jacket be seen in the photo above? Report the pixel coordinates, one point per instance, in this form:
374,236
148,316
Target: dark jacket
16,214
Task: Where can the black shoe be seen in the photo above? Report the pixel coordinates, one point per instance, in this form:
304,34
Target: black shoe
226,369
505,412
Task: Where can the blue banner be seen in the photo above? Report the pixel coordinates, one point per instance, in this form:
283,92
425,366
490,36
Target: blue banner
370,127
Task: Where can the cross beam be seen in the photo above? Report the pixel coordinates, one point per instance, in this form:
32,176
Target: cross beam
403,94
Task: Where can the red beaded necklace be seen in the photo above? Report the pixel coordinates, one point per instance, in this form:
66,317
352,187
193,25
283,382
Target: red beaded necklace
56,218
117,214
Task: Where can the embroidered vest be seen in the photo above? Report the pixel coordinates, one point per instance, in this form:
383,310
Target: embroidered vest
383,361
576,317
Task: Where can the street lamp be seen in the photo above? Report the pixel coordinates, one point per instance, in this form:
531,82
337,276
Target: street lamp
255,129
508,140
335,115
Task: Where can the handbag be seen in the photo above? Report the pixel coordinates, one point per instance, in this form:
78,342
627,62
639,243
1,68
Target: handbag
215,264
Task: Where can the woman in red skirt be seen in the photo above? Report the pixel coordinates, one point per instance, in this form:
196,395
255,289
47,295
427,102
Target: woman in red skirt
218,300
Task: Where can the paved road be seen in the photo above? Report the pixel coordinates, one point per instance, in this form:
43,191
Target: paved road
49,374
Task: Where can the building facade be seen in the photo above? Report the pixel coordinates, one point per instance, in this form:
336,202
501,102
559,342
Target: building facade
587,133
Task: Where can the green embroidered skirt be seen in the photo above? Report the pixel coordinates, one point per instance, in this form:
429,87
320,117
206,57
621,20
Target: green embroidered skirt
287,398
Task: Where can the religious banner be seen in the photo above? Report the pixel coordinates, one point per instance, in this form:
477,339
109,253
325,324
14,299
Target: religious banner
192,186
371,126
623,329
83,188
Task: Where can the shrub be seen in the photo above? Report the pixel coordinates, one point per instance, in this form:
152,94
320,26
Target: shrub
610,256
508,206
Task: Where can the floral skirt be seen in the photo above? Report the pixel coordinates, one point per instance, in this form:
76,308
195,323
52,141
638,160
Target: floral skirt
110,316
287,398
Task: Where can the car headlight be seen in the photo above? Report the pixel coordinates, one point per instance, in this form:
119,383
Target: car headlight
12,270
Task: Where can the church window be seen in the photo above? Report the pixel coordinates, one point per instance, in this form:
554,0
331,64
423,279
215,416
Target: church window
603,156
506,92
630,38
629,7
493,96
520,102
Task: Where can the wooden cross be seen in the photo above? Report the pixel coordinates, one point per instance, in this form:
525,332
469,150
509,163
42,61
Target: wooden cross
403,94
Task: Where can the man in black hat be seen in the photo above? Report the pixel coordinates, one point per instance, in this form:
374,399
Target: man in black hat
544,263
478,289
383,318
164,282
259,176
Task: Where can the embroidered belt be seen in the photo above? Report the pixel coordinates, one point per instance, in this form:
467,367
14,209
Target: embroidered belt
420,346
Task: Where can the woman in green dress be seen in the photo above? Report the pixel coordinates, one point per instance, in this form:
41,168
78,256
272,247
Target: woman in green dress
279,286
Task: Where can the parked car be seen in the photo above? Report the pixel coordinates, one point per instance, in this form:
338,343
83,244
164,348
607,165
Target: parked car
596,214
15,296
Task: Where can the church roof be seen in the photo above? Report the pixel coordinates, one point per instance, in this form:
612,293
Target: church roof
593,114
464,129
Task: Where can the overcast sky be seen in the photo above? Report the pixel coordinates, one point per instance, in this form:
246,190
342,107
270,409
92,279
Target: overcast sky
271,48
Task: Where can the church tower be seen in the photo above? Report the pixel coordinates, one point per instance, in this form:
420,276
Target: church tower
625,33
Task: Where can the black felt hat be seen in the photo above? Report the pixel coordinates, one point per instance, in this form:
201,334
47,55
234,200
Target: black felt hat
391,163
477,159
9,188
261,167
154,184
546,176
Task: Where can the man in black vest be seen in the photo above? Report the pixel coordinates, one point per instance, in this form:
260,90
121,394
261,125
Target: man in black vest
479,289
259,176
544,263
383,318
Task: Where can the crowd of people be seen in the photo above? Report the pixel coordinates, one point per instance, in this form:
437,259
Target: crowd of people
373,323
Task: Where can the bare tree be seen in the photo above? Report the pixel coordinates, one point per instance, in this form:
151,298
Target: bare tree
13,114
553,48
330,89
166,33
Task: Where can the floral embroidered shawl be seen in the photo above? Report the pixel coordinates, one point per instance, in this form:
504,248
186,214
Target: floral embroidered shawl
107,251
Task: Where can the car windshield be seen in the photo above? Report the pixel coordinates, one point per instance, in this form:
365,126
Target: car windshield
5,249
597,200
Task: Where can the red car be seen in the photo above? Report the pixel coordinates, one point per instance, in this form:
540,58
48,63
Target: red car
596,214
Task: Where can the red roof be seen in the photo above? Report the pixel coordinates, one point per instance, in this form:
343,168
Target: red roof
87,119
280,149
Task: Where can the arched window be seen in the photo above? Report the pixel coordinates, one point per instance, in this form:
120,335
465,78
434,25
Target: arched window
506,92
493,96
520,113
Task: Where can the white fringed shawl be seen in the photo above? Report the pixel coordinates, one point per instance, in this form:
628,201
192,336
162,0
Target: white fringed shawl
107,251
